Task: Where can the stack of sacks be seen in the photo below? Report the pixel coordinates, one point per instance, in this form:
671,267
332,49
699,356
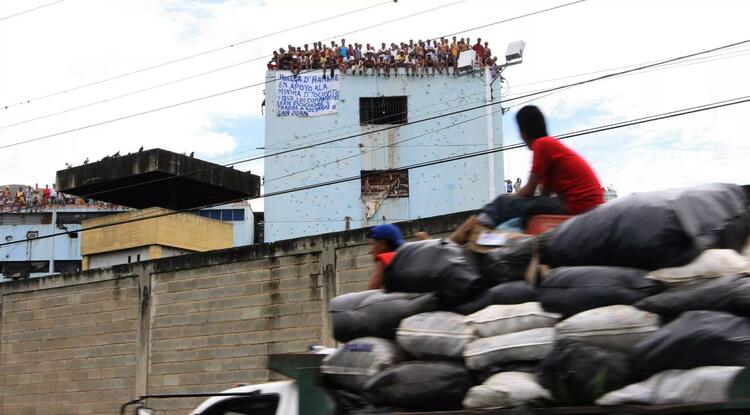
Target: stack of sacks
644,292
510,335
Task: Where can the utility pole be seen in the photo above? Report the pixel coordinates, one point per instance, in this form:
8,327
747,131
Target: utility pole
490,134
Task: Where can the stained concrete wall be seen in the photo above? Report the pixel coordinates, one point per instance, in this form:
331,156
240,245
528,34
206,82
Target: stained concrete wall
86,343
434,190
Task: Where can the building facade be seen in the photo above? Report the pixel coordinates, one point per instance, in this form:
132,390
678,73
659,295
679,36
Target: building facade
388,191
42,255
128,237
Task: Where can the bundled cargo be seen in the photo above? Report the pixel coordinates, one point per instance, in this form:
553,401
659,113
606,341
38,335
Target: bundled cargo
436,265
438,335
355,362
525,345
652,230
730,294
505,264
507,389
571,290
711,263
497,320
515,292
421,386
577,373
696,338
374,313
617,327
708,384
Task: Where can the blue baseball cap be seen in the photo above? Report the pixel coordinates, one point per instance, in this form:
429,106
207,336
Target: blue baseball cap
387,232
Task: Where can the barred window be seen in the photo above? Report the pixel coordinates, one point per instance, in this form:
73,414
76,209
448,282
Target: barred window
383,110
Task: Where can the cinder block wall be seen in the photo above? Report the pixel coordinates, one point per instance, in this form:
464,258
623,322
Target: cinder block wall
86,343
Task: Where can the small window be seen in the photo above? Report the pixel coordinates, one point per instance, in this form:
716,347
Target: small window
385,183
204,213
226,215
215,214
67,266
383,110
238,214
32,234
250,405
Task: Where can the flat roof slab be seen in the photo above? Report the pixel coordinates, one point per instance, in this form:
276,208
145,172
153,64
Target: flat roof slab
160,178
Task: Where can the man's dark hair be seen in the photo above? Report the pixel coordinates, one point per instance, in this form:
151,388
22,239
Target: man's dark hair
531,122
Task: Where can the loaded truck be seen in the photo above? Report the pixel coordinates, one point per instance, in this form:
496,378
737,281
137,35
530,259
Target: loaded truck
305,394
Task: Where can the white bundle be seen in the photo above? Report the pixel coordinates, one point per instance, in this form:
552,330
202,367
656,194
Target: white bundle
618,326
497,320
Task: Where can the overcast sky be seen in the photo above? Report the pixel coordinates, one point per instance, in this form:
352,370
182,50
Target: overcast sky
75,42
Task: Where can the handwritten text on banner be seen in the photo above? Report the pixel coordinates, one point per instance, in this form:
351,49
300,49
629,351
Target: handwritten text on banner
307,95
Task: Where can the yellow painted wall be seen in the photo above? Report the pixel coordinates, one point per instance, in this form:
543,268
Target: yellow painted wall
179,230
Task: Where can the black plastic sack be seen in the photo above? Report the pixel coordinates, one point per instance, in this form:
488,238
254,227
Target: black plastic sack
505,264
653,230
374,313
570,290
577,373
730,293
696,338
434,265
423,386
516,292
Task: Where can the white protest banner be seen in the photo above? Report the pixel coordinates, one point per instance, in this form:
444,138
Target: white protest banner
307,95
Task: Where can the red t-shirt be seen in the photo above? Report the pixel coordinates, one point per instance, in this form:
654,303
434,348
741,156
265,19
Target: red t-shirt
479,49
567,174
386,258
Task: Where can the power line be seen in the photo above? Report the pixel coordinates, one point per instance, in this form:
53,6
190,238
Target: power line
606,127
547,91
688,62
514,18
238,64
639,68
184,58
31,10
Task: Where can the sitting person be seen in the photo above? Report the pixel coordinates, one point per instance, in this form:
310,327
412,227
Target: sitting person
384,240
555,167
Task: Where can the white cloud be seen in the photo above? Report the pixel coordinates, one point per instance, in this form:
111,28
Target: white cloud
82,41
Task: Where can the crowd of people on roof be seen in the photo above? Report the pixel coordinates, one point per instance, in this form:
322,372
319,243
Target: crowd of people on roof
27,197
417,58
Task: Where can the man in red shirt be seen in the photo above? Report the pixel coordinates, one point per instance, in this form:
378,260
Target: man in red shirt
479,49
556,168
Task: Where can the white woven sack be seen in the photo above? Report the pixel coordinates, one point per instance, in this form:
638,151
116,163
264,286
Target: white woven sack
354,363
617,326
496,320
439,334
505,390
711,263
532,344
707,384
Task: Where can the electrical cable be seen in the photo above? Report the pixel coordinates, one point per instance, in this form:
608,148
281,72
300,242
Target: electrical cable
184,58
231,66
602,128
547,91
30,10
639,68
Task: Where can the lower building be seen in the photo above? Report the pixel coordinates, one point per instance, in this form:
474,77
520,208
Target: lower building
128,237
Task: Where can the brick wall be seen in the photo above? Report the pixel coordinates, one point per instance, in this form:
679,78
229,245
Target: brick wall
88,342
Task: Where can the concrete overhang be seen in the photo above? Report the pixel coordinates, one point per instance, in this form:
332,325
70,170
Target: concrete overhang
158,178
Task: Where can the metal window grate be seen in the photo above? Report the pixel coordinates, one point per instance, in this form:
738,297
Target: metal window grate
385,183
383,110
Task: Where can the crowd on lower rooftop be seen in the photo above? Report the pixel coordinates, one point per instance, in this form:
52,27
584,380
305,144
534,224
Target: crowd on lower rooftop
30,198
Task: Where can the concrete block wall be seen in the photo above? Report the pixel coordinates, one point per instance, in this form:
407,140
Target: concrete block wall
70,349
88,342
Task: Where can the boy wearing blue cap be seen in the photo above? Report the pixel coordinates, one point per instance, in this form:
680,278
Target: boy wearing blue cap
384,240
